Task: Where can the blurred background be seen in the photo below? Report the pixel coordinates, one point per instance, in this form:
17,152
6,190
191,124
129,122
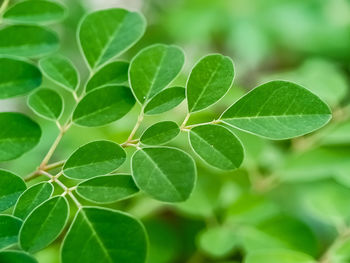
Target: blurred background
289,195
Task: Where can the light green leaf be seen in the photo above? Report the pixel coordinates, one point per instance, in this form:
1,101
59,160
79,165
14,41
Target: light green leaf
94,158
44,224
217,146
115,72
160,133
153,68
167,174
278,110
340,253
103,105
31,198
105,236
107,33
10,256
20,136
209,81
278,256
61,71
27,41
17,77
9,229
11,188
34,12
47,103
107,188
165,100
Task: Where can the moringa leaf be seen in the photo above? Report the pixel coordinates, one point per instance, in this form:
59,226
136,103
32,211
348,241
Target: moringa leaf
103,105
160,133
47,103
27,41
17,77
209,81
107,188
165,100
35,12
12,188
31,198
12,256
19,135
278,256
153,68
278,110
94,158
61,71
217,146
9,229
107,33
167,174
105,236
44,224
115,72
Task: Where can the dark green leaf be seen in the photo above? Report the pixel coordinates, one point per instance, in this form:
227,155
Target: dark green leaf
11,188
160,133
16,257
9,229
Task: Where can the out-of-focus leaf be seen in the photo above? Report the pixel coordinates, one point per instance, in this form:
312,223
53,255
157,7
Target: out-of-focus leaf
278,256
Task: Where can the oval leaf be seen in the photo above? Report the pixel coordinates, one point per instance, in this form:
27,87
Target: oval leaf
12,188
103,235
107,188
44,224
61,71
167,174
32,198
27,41
107,33
9,229
278,110
20,136
39,11
217,146
160,133
209,81
46,103
153,68
115,72
16,257
165,100
17,77
94,158
103,105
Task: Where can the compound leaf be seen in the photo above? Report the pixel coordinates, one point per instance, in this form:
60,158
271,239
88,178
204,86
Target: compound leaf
278,110
9,229
11,188
160,133
94,158
167,174
47,103
11,256
153,68
278,256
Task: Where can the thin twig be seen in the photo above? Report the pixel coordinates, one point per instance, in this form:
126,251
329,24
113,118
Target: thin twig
75,200
137,125
53,165
185,121
189,127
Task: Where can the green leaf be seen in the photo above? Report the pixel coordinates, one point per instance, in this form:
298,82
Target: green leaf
9,229
217,146
340,253
105,236
17,77
94,158
27,41
107,33
165,100
107,188
167,174
153,68
33,12
20,135
44,224
11,188
209,81
16,257
115,72
47,103
160,133
278,256
32,198
278,110
103,105
61,71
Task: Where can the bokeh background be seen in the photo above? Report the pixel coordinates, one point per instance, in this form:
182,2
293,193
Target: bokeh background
291,194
